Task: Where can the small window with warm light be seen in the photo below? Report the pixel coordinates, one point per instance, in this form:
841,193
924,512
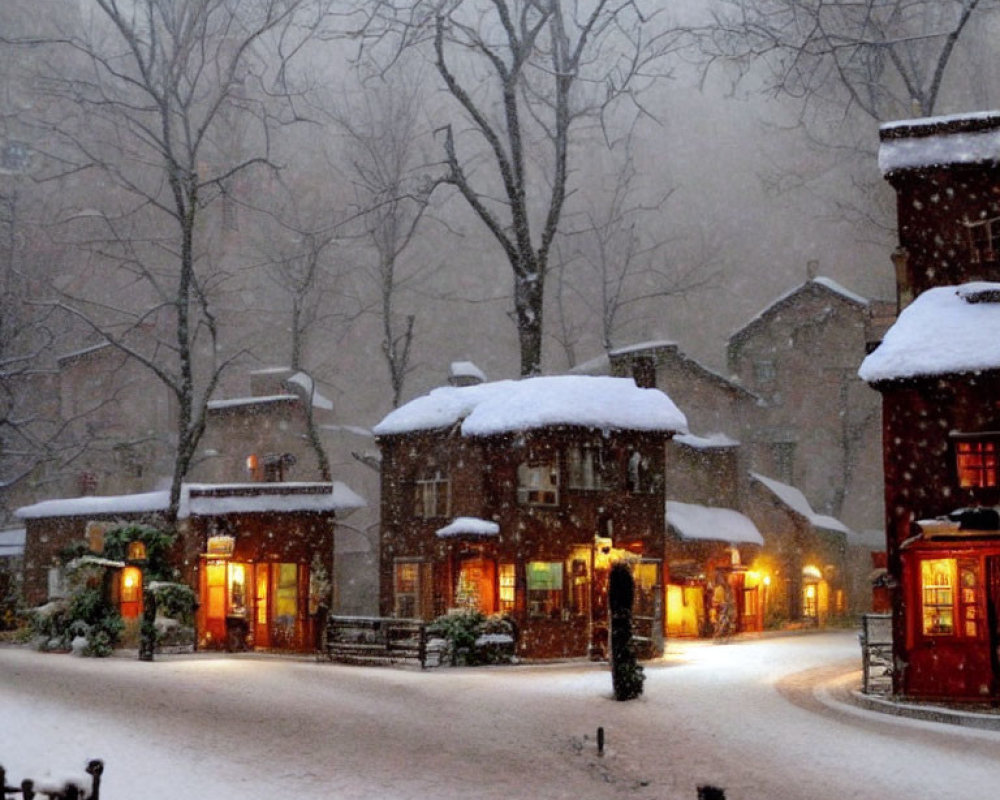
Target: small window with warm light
976,463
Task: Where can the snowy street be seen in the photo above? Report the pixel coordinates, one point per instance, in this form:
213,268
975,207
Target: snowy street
742,716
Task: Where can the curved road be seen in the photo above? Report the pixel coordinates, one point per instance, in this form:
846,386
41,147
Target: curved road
743,716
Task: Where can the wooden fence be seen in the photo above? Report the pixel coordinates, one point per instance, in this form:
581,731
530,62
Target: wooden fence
69,791
380,640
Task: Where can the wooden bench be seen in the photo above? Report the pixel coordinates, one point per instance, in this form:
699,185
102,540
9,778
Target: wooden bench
380,640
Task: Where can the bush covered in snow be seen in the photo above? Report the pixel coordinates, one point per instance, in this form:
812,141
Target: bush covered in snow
474,638
85,613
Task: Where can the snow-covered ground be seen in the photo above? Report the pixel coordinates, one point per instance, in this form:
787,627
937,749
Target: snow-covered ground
740,715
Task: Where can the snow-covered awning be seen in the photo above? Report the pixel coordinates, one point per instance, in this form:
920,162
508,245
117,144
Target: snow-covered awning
208,499
585,401
702,523
468,526
946,330
713,441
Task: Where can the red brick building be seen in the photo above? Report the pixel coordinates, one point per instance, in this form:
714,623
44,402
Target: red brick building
253,553
938,371
515,497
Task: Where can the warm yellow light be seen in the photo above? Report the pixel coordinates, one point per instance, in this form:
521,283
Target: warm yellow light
767,580
811,591
129,580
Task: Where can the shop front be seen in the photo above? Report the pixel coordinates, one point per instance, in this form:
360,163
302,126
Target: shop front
952,616
558,602
252,597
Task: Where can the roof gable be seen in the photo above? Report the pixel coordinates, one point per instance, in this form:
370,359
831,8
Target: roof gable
814,287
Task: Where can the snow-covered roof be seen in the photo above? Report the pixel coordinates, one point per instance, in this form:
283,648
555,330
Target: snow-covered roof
466,369
12,542
932,141
795,500
468,526
945,330
640,346
695,522
237,402
206,500
710,442
827,284
318,400
503,406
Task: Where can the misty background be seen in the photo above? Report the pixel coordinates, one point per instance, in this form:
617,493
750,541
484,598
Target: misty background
326,234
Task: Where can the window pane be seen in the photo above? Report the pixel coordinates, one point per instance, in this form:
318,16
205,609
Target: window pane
976,462
506,582
538,484
937,581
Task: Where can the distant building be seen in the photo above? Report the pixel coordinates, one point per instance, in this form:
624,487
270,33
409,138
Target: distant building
816,424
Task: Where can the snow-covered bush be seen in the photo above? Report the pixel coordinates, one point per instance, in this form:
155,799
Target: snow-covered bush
85,612
175,607
474,638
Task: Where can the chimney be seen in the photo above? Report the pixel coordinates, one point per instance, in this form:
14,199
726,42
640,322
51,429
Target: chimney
465,373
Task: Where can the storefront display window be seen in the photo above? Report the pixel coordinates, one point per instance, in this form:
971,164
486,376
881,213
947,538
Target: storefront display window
545,588
938,577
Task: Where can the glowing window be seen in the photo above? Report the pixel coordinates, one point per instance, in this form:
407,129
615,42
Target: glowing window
976,461
507,585
545,588
937,583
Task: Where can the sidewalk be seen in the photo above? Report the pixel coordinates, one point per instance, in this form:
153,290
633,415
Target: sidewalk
845,690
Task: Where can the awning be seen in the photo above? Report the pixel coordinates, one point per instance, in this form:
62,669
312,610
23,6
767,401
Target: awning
468,526
702,523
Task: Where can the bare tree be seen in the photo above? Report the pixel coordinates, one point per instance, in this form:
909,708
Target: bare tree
882,58
524,75
622,248
391,185
157,88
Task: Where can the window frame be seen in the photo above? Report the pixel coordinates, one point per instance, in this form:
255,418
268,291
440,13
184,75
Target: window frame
545,492
981,458
552,603
414,594
587,466
427,495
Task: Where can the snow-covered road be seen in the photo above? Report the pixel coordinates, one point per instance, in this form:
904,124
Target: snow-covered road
740,715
